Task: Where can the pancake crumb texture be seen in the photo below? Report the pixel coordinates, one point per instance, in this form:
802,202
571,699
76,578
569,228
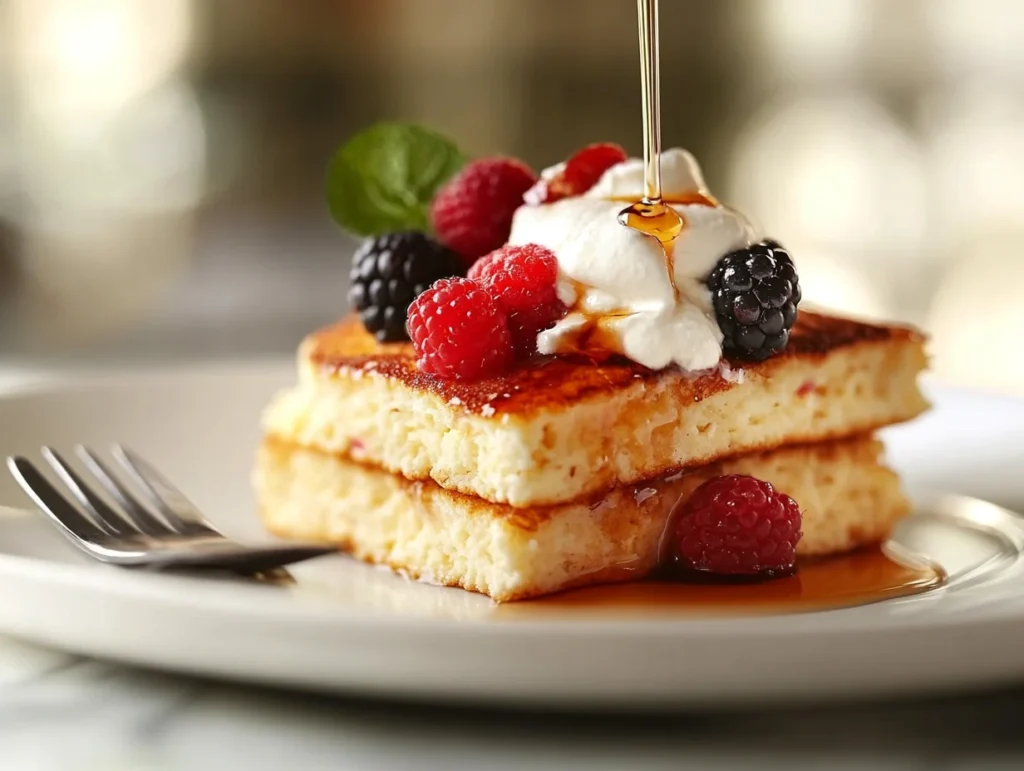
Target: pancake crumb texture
848,498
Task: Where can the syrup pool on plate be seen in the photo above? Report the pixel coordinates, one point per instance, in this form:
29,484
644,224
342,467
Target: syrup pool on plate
862,577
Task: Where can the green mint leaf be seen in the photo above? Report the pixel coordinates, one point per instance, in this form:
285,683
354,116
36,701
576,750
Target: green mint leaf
384,178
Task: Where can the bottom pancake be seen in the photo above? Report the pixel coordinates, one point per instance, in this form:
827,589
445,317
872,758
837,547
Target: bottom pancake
848,498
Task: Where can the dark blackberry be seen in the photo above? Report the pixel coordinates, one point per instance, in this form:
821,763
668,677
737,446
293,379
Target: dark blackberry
756,292
389,272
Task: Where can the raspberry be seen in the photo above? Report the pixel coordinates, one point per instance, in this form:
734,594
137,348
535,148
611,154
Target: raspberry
459,331
739,526
756,292
472,213
522,280
389,272
581,172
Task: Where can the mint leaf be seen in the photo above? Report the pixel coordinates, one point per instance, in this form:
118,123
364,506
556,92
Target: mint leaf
384,178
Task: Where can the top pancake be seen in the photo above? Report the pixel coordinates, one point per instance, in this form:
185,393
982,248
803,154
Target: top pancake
554,382
557,429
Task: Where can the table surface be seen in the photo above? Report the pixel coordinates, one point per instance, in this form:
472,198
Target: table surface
65,712
60,712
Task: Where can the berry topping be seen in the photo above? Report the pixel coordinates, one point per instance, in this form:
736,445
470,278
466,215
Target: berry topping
459,331
472,213
522,280
581,172
389,272
738,526
756,292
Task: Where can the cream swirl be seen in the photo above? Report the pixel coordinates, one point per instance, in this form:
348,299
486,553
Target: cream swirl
615,280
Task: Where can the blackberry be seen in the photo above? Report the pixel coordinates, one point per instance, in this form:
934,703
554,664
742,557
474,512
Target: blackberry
756,292
389,272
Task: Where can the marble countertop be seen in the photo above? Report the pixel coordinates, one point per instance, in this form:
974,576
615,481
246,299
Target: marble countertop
59,711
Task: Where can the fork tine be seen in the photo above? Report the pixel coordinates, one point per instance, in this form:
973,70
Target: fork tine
179,512
46,497
250,560
134,511
102,514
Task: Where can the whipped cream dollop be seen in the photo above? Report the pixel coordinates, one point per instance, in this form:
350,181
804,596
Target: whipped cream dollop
615,280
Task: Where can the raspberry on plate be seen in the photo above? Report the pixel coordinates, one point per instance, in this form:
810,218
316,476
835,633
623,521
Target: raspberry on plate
581,172
737,526
389,272
472,213
522,280
459,331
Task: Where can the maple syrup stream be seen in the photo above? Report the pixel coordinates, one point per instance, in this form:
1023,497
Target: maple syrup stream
651,215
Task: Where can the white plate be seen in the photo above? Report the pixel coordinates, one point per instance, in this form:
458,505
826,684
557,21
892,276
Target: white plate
345,627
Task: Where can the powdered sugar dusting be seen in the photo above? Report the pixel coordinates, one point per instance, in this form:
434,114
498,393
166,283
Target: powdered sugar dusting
645,494
730,375
367,369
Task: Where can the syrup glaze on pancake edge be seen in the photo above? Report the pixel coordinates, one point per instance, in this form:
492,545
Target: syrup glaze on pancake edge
553,381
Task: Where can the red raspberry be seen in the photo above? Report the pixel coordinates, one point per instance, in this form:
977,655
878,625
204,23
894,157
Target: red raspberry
581,172
522,280
472,212
459,331
738,525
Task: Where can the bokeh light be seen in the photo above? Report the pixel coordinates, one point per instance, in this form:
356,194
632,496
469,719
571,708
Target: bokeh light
975,320
812,40
975,147
837,171
77,58
972,36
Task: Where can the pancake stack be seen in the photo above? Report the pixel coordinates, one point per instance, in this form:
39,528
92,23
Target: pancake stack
566,472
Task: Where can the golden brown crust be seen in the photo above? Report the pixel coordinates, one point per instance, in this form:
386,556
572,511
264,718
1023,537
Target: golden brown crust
552,381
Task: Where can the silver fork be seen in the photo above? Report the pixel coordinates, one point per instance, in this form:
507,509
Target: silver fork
157,527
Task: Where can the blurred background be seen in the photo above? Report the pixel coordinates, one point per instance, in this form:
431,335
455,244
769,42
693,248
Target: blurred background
161,161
